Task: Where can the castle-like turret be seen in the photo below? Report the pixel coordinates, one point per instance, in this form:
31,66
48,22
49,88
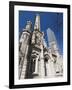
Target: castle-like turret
23,50
37,50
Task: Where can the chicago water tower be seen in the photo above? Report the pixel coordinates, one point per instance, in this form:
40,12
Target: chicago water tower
36,59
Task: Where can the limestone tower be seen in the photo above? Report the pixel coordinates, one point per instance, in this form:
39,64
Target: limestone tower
37,50
23,50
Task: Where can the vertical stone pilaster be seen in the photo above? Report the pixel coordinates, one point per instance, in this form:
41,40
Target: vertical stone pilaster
24,50
50,69
36,66
23,73
42,71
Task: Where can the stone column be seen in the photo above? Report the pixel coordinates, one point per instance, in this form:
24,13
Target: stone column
42,71
23,72
50,69
36,66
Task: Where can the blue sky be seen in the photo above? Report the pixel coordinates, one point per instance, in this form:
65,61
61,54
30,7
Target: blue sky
51,20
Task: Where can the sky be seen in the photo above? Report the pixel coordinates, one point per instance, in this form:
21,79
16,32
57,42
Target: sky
52,20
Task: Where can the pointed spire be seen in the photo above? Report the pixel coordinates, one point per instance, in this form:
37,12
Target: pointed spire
37,23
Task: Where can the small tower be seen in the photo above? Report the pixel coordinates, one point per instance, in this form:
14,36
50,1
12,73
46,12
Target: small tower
37,50
23,50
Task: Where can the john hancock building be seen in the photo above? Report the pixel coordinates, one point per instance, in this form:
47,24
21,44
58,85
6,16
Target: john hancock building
36,59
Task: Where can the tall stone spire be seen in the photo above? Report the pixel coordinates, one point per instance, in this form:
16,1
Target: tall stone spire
37,23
